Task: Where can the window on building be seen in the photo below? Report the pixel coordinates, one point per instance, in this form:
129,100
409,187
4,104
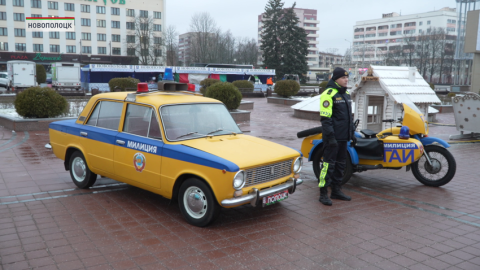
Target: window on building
101,10
36,4
19,17
3,2
382,34
70,35
85,8
369,35
86,49
52,5
19,32
20,47
358,36
38,47
157,15
428,22
37,34
102,37
3,45
55,48
71,49
131,51
393,26
131,25
429,30
116,51
17,3
36,15
157,40
157,27
69,7
450,29
115,24
383,27
101,23
3,31
86,36
115,38
3,16
86,22
144,26
409,31
101,50
115,11
131,12
144,13
55,35
130,38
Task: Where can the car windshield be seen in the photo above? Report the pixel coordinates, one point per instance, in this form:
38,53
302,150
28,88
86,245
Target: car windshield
3,76
189,121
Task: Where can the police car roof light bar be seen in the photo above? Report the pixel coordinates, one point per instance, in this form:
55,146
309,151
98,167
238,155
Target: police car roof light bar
142,88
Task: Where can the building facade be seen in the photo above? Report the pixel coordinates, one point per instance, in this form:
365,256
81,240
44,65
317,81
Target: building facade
372,39
308,21
325,59
103,30
184,50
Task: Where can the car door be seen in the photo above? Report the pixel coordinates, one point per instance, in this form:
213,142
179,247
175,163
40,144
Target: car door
138,147
99,133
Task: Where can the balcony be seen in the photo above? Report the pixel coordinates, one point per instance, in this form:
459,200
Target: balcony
313,35
312,21
311,28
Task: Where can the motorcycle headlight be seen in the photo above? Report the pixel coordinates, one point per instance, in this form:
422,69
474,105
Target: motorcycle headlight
297,165
239,180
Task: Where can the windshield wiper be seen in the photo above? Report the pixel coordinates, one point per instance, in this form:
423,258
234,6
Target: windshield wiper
215,131
190,133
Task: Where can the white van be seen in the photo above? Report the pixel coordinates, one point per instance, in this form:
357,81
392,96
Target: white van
23,74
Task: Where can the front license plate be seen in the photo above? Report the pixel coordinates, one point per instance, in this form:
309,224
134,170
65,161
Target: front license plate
272,199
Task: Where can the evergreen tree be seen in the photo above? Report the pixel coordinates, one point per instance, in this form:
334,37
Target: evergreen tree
294,45
271,45
284,43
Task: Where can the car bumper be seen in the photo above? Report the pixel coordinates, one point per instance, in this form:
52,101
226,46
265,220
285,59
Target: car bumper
255,196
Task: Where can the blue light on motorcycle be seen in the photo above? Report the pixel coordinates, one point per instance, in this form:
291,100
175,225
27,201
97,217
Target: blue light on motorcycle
168,76
404,133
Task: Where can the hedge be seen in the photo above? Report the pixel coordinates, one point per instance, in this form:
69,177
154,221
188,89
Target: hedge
246,86
286,88
40,102
123,83
205,83
225,92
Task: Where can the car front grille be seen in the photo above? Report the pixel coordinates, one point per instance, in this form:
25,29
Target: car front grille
268,173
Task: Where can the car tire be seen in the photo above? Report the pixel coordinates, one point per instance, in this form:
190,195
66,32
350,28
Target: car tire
197,203
81,175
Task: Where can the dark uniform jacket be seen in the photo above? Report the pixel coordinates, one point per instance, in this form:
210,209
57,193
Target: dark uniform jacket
336,113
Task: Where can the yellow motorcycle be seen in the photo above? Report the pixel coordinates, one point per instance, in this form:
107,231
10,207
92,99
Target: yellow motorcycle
407,145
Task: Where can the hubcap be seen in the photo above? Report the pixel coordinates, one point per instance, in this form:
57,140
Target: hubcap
195,202
79,169
434,168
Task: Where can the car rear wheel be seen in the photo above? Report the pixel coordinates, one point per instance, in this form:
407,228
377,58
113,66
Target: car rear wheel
197,203
81,175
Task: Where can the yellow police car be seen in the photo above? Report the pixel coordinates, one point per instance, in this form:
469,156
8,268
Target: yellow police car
178,145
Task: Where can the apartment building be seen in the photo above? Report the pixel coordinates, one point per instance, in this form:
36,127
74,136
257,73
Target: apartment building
102,30
308,21
373,38
326,59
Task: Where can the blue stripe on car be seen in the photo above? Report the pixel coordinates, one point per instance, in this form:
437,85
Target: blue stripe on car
178,152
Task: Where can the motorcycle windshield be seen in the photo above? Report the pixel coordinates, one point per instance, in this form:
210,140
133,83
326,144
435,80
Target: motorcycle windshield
414,118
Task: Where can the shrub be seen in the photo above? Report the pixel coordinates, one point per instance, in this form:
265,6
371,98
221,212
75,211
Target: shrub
40,102
450,95
246,86
287,88
206,83
432,86
123,83
226,93
323,85
41,74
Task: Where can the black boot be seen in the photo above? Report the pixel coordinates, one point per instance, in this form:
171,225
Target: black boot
338,194
324,197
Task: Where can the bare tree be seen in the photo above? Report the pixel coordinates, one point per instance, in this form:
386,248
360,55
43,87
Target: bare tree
205,33
247,51
146,41
171,45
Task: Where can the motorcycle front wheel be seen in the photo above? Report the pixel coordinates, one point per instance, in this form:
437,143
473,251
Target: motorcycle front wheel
440,172
317,166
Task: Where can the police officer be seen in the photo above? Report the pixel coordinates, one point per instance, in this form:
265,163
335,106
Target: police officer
337,124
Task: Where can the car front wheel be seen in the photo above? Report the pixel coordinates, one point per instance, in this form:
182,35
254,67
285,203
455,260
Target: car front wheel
81,175
197,203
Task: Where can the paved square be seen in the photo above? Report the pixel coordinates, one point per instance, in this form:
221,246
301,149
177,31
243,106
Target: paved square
393,221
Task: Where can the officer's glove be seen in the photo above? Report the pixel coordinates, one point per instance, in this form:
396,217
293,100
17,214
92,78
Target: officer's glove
332,142
354,141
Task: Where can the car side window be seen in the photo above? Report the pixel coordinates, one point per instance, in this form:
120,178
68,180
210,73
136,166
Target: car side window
141,120
106,115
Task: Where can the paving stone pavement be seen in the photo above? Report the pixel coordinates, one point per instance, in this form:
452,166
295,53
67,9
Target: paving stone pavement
392,222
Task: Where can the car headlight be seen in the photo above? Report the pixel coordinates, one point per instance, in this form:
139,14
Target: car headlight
239,180
297,165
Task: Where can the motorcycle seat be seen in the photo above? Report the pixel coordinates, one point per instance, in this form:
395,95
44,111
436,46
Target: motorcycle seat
308,132
368,133
369,149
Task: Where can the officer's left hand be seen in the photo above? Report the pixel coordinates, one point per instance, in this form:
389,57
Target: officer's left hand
354,141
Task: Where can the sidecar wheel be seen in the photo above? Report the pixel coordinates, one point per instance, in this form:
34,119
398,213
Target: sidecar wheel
442,171
317,164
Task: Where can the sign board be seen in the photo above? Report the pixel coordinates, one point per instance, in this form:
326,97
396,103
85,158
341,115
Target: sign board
370,79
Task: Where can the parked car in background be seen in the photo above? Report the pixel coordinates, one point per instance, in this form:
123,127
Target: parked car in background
22,73
179,145
49,78
5,81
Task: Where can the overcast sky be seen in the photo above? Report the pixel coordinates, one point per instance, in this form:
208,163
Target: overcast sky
337,18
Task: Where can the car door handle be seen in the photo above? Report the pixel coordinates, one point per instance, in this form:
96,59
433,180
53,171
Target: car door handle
120,142
83,133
